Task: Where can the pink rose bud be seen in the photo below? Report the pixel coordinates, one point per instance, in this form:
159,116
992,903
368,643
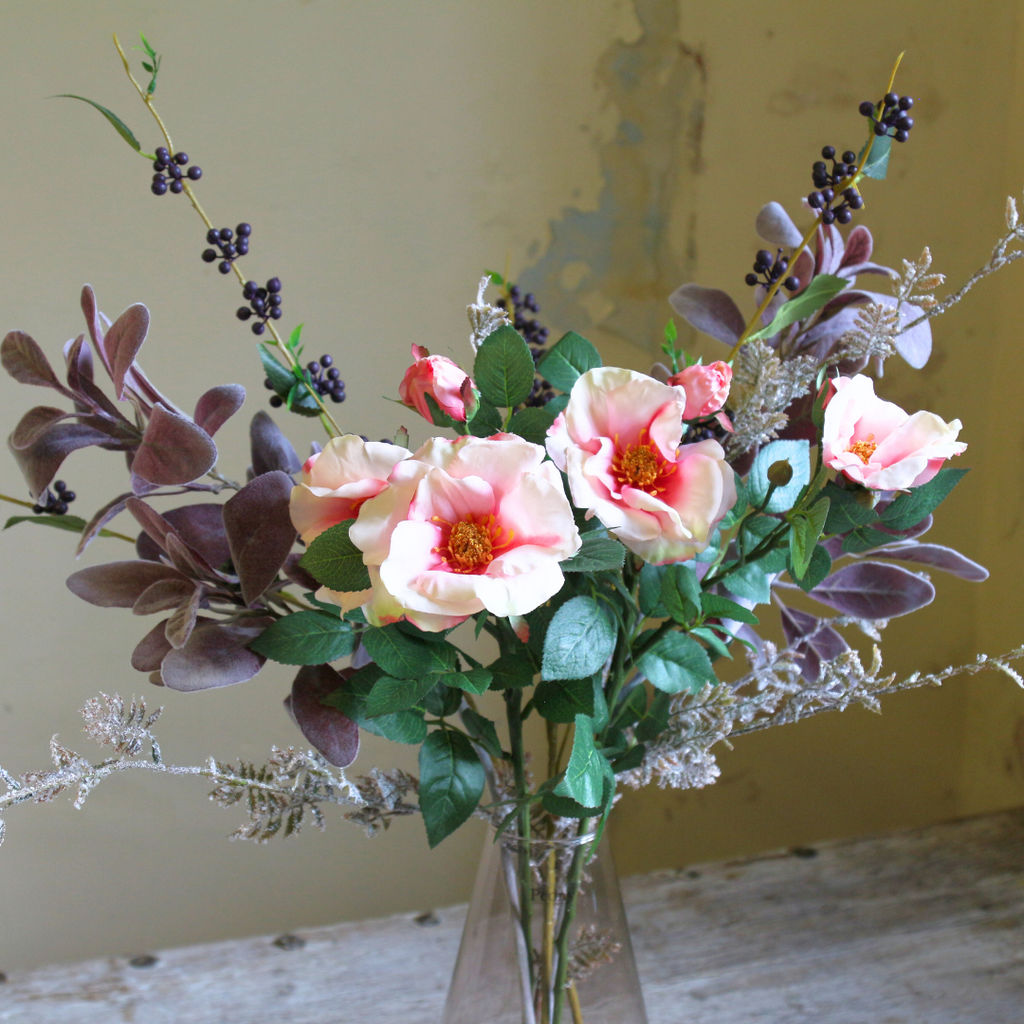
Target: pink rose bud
439,378
707,388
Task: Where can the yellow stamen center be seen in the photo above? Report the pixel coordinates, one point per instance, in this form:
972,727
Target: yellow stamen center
639,466
864,449
469,545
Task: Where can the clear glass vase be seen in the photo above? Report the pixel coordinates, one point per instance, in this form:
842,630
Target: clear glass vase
546,939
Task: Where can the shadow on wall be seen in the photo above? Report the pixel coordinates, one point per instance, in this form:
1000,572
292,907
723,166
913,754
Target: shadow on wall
610,270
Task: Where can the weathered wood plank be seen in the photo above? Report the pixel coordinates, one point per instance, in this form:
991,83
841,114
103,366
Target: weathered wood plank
923,926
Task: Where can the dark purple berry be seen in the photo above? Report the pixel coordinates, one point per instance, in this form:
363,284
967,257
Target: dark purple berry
230,251
249,290
751,279
905,103
333,373
195,173
856,201
828,152
224,267
905,122
243,312
259,327
867,109
68,496
819,167
162,154
891,99
60,507
209,255
242,246
159,165
849,156
274,284
174,171
313,367
337,396
514,293
225,234
844,216
902,135
213,236
181,158
59,486
880,129
827,216
764,257
326,361
828,195
276,401
258,305
840,170
176,186
275,313
274,299
158,188
268,383
243,230
816,200
791,284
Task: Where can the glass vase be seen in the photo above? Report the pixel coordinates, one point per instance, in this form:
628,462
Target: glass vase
546,939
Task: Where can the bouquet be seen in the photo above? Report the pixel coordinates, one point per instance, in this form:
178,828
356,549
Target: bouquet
623,539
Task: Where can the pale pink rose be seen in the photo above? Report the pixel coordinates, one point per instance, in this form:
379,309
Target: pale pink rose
462,526
618,442
706,387
446,383
877,444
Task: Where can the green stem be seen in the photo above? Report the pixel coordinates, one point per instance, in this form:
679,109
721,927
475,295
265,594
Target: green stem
513,706
568,918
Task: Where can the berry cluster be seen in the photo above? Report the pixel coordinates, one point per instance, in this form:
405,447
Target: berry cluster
768,269
323,377
264,303
230,247
826,182
169,172
533,334
55,504
890,117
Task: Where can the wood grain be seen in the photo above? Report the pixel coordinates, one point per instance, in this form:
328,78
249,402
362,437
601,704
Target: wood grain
922,927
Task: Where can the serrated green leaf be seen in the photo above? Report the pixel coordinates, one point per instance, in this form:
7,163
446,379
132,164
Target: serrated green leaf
532,424
910,508
650,591
404,657
845,512
820,566
749,582
578,641
717,607
864,538
451,783
676,663
473,680
504,368
333,560
631,709
680,593
598,552
561,700
390,695
822,290
715,642
557,404
482,731
119,126
567,360
306,638
402,727
487,420
654,720
584,775
566,807
511,670
807,527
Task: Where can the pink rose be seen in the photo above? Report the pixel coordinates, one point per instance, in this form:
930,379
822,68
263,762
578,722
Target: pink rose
446,383
877,444
462,526
618,442
706,387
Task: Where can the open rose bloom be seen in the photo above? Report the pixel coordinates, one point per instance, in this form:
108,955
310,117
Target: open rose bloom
877,444
458,527
618,441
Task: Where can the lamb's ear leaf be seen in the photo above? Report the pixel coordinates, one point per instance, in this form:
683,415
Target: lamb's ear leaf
330,730
173,450
125,337
216,655
218,405
874,590
710,310
269,448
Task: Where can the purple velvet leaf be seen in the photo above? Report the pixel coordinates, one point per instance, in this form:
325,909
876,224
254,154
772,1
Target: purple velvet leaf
162,596
156,527
660,372
798,625
874,590
937,556
710,311
218,405
34,424
215,655
113,508
118,584
334,734
200,526
814,639
857,257
915,345
78,361
101,404
123,341
94,320
182,622
187,561
24,360
297,574
260,531
271,450
151,650
173,450
140,487
913,533
40,461
361,656
776,226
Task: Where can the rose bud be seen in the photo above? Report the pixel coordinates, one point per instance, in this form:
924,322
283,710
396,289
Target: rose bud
707,388
442,380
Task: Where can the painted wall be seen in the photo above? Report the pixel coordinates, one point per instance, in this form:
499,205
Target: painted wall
385,153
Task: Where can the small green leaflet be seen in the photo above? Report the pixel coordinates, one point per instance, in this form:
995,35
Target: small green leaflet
472,680
401,727
650,591
578,642
807,527
487,420
567,360
390,695
819,568
532,424
405,657
297,396
598,551
481,730
511,671
910,508
73,524
120,127
877,165
823,289
333,560
306,638
718,607
451,783
504,368
154,67
680,593
676,663
845,512
584,775
561,700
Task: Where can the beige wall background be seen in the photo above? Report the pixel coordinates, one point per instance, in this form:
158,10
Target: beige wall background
385,153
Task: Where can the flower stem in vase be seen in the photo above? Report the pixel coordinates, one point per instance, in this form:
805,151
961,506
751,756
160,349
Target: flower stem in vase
579,856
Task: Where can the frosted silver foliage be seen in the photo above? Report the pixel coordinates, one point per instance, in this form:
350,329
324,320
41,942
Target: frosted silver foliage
484,318
277,796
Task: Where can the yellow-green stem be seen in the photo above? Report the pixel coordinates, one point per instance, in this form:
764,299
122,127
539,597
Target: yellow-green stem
29,504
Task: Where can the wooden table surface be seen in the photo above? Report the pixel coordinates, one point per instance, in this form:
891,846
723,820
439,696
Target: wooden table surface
921,927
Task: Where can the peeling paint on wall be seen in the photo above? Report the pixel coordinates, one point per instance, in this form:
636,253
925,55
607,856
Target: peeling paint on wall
609,270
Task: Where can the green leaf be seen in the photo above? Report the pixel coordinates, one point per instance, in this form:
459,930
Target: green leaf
819,568
578,642
557,404
333,560
633,758
567,360
503,370
487,420
910,508
451,783
715,642
650,591
820,291
306,638
864,538
482,732
680,593
655,719
390,695
532,424
598,552
561,700
297,396
566,807
750,582
438,417
406,657
877,164
718,607
845,512
511,671
676,663
473,680
584,775
797,454
70,523
402,727
631,709
120,127
807,527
